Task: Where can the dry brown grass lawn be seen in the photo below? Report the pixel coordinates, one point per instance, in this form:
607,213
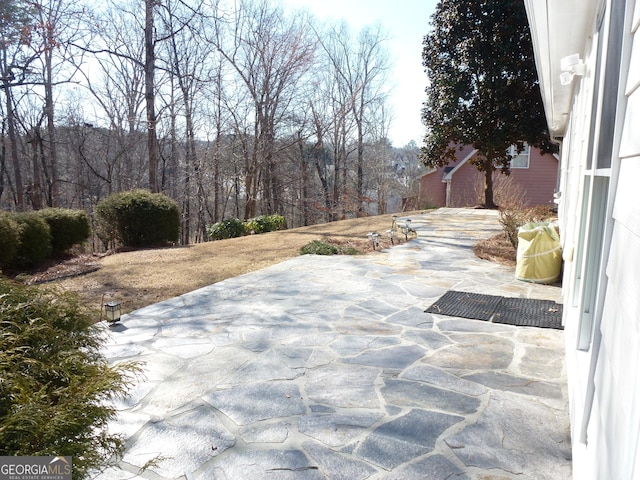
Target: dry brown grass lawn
142,277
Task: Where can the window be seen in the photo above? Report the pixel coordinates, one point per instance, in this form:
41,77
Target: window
519,160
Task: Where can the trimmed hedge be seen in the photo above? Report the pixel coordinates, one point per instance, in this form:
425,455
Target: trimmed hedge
229,228
28,238
9,239
233,227
35,239
138,218
68,228
266,223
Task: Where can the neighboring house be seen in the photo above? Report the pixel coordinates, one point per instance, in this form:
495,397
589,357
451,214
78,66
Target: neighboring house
460,184
588,59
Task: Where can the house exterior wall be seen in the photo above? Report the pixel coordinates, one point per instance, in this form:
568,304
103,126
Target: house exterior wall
467,187
600,229
539,180
433,191
535,184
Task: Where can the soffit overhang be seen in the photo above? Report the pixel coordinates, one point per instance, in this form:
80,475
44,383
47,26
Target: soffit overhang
559,28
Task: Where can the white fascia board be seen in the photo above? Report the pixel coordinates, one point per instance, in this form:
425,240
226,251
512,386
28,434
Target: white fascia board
559,28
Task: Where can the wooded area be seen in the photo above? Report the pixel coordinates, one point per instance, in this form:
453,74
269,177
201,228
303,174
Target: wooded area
233,109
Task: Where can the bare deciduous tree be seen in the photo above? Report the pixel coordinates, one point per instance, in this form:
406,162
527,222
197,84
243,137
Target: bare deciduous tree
270,52
360,68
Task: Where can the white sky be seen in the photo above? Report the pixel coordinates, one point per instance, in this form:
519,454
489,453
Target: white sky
406,22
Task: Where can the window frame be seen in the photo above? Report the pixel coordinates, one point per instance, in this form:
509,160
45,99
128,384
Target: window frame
514,155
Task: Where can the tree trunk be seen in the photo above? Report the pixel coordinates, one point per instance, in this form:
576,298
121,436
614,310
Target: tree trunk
51,129
150,96
13,151
217,150
36,190
251,188
252,169
216,178
3,158
360,168
343,177
304,182
488,184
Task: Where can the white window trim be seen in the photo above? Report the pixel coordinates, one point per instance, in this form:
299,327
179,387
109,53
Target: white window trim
525,153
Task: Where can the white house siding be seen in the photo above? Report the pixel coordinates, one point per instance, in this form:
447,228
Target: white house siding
619,359
599,210
600,215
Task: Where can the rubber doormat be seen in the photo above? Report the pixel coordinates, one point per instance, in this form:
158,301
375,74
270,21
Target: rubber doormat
512,311
465,305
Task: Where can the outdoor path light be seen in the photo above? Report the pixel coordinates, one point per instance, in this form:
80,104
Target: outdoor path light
406,228
374,238
112,311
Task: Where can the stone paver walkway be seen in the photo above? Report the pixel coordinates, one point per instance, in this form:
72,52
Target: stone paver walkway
328,368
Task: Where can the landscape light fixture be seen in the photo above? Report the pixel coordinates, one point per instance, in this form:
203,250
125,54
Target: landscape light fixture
406,228
374,238
112,311
394,222
390,233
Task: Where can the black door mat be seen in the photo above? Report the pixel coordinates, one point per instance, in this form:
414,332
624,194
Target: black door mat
511,311
465,305
527,312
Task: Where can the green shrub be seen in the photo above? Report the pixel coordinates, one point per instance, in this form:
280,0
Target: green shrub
9,239
68,228
56,388
513,218
229,228
266,223
35,239
349,251
318,247
137,218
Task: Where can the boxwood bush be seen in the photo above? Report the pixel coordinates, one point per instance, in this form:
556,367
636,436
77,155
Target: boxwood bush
229,228
9,239
266,223
35,239
233,227
55,386
68,228
137,218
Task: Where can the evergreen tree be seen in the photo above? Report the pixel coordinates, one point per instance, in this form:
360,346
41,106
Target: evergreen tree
483,88
56,388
